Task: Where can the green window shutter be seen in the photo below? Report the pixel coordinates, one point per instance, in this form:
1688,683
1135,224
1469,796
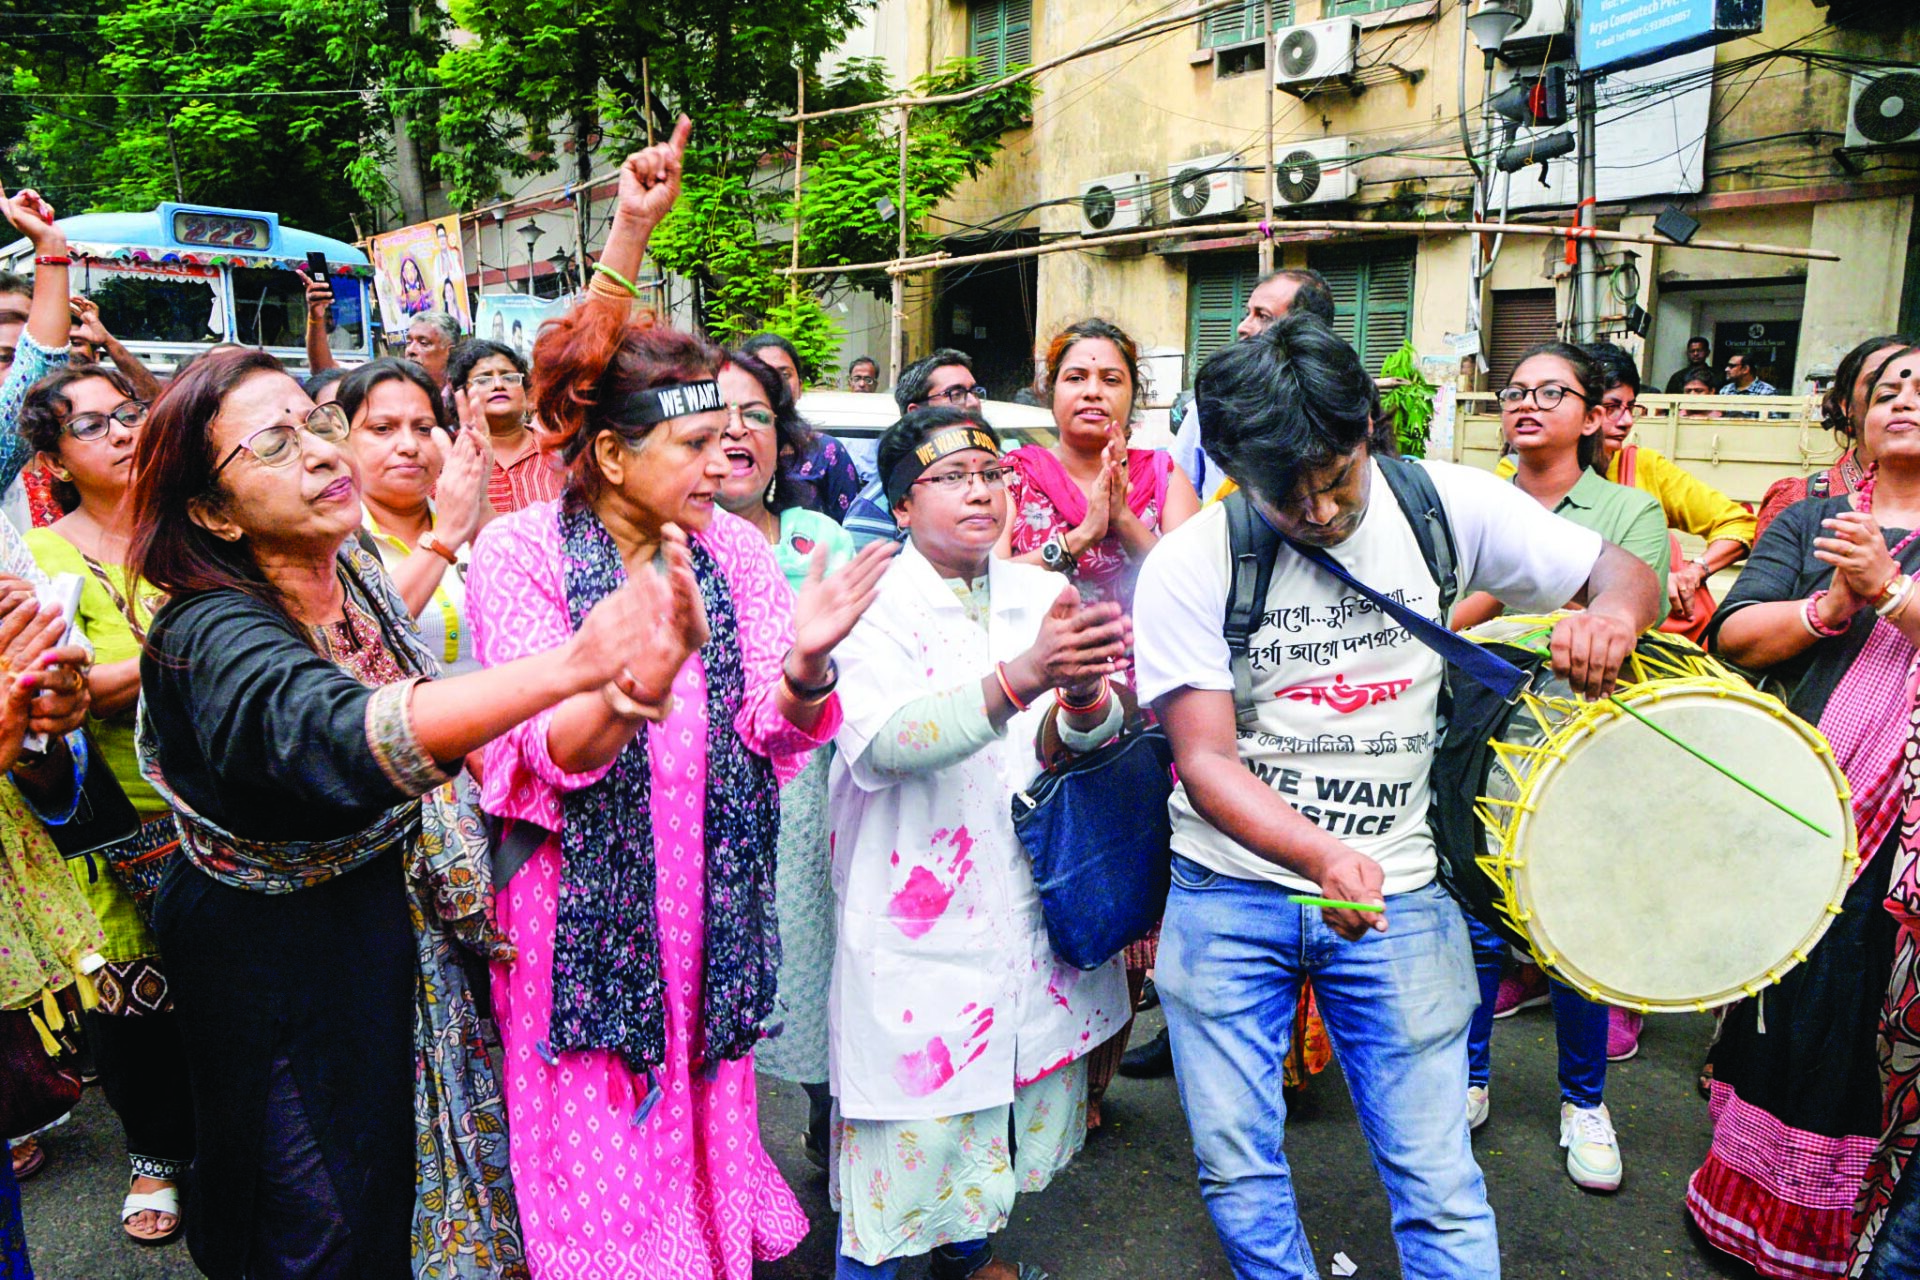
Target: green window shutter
1357,8
1018,38
1372,288
1218,285
1244,24
1000,35
1389,310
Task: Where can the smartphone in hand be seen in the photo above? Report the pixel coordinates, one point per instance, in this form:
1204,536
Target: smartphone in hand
317,266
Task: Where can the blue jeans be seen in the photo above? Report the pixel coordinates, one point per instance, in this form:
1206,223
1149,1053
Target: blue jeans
1579,1025
1396,1004
1896,1252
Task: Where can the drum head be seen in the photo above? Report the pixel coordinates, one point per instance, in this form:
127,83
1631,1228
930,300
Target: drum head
1650,880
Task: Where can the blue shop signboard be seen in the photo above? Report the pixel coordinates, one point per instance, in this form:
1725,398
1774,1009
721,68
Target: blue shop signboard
1617,34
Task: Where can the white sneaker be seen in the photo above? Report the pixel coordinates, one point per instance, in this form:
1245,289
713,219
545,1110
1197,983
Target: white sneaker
1593,1152
1479,1106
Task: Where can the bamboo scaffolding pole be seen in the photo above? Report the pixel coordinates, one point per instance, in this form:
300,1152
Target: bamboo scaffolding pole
934,261
1272,54
1152,27
897,321
799,166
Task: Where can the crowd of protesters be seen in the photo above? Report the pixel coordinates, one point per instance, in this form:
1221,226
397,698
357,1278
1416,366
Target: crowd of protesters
513,758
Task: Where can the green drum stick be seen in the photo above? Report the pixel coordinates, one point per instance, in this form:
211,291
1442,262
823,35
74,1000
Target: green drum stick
1308,900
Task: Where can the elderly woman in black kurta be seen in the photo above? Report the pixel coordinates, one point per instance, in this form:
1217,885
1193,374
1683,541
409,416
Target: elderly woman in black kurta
344,1100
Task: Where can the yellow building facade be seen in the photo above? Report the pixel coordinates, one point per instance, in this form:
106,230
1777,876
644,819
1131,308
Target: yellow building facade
1755,139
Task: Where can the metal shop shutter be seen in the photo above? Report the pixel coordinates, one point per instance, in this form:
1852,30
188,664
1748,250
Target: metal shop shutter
1521,317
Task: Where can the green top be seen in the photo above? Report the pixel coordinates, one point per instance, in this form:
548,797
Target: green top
1630,518
800,532
113,641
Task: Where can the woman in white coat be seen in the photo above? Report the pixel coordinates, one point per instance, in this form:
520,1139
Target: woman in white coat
953,1025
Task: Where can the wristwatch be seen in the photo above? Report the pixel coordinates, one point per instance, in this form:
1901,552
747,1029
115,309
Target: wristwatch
429,542
1055,555
1700,563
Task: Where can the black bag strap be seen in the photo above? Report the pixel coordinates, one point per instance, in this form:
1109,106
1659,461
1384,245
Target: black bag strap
1419,500
1252,545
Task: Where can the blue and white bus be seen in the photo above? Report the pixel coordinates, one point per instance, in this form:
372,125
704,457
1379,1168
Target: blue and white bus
172,281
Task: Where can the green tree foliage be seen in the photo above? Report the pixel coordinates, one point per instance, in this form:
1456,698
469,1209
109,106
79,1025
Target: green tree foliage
542,79
848,204
284,105
1409,402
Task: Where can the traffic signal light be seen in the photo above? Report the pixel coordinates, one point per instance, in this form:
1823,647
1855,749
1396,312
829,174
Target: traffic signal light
1535,101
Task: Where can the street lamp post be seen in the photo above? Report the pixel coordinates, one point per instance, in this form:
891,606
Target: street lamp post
530,232
562,261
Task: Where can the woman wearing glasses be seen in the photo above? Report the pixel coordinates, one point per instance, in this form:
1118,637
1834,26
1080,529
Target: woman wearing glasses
491,387
347,1120
1091,507
84,421
1552,417
960,1040
762,427
423,494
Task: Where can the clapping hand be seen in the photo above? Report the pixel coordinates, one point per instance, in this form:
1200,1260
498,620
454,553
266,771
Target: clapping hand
1862,565
460,496
1077,646
828,607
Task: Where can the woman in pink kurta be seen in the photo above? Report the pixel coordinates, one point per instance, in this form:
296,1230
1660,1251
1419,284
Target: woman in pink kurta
642,914
690,1192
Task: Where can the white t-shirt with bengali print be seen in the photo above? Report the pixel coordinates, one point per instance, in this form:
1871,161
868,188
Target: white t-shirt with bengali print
1347,698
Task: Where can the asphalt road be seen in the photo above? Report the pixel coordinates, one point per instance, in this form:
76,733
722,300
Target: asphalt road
1128,1208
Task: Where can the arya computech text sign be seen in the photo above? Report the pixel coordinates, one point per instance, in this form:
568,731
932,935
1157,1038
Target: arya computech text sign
1616,34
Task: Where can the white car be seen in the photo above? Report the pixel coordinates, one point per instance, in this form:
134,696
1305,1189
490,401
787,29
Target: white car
857,419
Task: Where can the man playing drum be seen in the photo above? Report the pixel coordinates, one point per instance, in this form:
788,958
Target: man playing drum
1322,789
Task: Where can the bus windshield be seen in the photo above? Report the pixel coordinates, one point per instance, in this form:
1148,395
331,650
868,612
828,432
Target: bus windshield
271,307
148,308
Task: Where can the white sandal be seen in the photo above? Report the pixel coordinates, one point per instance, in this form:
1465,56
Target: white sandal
166,1200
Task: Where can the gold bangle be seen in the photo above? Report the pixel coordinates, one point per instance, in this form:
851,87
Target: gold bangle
601,269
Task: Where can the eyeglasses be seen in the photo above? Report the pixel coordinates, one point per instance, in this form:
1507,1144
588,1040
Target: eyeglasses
91,426
1633,410
1546,396
279,444
959,395
753,419
956,481
497,379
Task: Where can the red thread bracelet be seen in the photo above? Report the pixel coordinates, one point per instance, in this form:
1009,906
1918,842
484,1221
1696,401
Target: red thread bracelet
52,260
1006,686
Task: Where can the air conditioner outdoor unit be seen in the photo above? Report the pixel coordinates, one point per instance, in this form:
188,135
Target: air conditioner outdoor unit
1884,108
1314,53
1541,22
1117,202
1316,172
1206,187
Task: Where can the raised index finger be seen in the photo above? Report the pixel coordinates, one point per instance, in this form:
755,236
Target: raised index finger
682,130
